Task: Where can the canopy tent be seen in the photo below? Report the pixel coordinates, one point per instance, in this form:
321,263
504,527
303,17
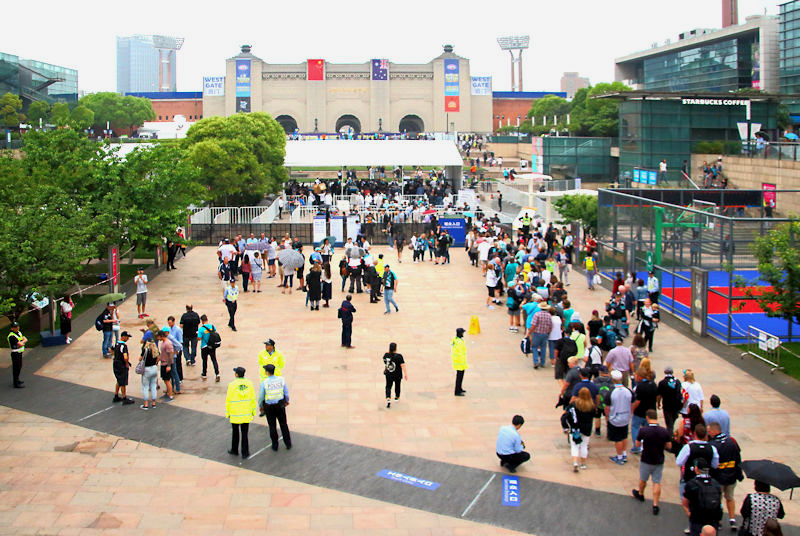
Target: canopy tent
316,153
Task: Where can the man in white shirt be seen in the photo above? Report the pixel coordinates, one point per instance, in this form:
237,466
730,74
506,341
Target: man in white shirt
484,245
141,292
227,251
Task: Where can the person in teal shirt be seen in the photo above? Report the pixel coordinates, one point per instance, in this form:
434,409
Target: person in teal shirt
511,271
530,308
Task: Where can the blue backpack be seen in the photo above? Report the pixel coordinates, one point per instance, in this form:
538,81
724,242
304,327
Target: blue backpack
525,346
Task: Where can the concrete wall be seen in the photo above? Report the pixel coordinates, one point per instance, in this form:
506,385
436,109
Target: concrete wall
750,173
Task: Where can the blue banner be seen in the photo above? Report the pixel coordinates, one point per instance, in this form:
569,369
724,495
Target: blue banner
651,175
456,227
511,491
243,78
635,175
407,479
451,80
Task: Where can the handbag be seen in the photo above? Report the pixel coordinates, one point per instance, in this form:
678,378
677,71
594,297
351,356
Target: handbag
139,367
597,280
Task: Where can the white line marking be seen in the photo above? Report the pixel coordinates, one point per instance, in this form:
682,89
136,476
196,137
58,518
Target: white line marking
95,413
478,495
262,450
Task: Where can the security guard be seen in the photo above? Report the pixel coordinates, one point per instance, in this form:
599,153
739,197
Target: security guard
270,356
273,397
526,226
16,341
458,351
240,408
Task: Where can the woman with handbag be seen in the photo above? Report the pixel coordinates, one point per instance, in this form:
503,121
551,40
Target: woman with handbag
577,423
247,270
148,368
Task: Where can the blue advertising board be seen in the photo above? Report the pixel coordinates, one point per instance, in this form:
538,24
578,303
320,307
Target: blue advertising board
511,494
408,479
451,78
636,175
242,78
456,227
651,176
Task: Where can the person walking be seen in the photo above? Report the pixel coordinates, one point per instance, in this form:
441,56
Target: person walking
653,287
121,366
590,267
65,317
240,408
346,311
618,416
510,447
644,399
394,369
257,270
327,284
669,398
577,422
16,342
208,347
389,283
230,296
141,292
458,353
651,440
175,336
273,397
166,360
729,470
150,375
649,322
719,416
539,333
758,508
702,500
698,449
246,270
189,323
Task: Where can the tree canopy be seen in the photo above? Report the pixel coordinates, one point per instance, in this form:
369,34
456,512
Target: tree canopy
240,157
38,110
121,112
11,111
579,207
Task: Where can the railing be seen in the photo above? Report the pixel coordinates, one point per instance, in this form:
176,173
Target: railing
227,215
766,347
301,214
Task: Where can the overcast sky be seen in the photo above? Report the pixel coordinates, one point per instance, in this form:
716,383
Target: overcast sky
566,35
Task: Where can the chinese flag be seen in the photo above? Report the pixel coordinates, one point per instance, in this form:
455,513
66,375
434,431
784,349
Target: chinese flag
451,103
316,69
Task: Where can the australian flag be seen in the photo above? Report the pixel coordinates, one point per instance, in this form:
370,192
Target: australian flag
380,69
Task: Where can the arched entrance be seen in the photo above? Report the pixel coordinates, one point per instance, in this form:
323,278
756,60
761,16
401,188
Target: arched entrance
347,122
411,124
287,122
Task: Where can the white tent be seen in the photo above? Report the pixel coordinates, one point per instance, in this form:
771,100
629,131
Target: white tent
317,153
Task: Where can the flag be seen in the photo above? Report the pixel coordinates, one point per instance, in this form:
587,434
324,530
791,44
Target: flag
380,69
316,69
452,104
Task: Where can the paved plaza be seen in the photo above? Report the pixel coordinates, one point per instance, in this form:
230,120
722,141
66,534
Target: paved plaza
79,465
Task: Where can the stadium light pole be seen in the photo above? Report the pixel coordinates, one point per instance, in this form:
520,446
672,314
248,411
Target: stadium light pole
512,43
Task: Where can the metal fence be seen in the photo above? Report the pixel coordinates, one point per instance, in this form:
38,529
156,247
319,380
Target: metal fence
638,233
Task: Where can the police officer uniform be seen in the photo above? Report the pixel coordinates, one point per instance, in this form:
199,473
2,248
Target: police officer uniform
273,398
16,341
240,408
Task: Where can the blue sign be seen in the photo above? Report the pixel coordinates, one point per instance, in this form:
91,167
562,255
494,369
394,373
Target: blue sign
457,228
243,78
451,78
511,491
635,175
651,175
407,479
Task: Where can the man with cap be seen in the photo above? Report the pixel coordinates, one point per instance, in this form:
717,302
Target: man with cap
345,312
273,397
121,365
653,287
240,408
698,496
16,341
618,416
106,319
669,397
270,355
458,352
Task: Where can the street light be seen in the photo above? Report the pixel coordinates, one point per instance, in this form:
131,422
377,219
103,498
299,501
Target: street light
380,124
315,124
512,43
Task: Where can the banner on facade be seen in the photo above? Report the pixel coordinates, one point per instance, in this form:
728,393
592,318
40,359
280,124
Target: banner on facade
242,78
213,86
316,70
452,89
320,229
380,69
337,229
481,85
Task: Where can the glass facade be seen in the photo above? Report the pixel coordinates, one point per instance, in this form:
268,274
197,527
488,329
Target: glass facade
35,80
652,130
138,65
789,36
588,158
719,66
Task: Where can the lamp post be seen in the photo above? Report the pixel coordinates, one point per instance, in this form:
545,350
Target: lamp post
380,124
315,125
518,126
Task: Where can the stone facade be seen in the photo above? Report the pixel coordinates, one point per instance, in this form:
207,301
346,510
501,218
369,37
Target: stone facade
347,96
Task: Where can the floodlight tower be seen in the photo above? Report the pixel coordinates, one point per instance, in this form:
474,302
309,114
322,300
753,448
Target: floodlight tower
512,43
166,46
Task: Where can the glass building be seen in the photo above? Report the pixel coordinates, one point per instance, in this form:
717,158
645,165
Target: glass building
568,157
147,63
790,53
35,80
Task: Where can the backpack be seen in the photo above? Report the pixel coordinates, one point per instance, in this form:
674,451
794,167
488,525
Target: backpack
604,391
98,322
214,339
609,339
569,348
589,263
525,346
709,498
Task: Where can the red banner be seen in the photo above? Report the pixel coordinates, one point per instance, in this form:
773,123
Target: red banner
316,69
451,103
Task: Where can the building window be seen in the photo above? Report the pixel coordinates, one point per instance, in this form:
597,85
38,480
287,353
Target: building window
159,118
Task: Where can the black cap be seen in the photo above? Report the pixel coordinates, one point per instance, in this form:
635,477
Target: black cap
701,464
239,371
14,324
460,332
270,342
125,334
603,369
270,368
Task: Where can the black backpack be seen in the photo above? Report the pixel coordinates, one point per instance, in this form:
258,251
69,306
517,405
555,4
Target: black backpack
709,498
214,339
98,322
569,348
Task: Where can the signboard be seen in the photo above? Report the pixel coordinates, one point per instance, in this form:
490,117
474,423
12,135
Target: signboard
353,227
213,86
408,479
636,175
337,229
652,177
113,268
770,198
242,78
456,227
537,152
320,229
481,85
452,89
649,261
511,491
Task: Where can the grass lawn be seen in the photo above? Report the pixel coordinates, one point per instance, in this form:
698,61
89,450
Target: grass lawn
789,362
26,323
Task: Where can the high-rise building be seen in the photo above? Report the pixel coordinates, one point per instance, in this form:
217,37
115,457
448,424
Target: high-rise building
571,83
147,63
789,35
35,80
730,13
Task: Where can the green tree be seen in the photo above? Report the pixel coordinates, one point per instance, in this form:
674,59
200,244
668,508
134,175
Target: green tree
10,111
240,157
778,256
81,117
36,111
121,112
591,116
580,208
60,115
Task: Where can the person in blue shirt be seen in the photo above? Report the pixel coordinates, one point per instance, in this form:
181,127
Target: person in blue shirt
175,335
719,416
273,397
510,446
530,308
207,351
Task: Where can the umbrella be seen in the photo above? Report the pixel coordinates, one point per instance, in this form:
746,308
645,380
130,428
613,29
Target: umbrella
331,239
291,258
469,214
111,297
773,473
430,211
791,136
